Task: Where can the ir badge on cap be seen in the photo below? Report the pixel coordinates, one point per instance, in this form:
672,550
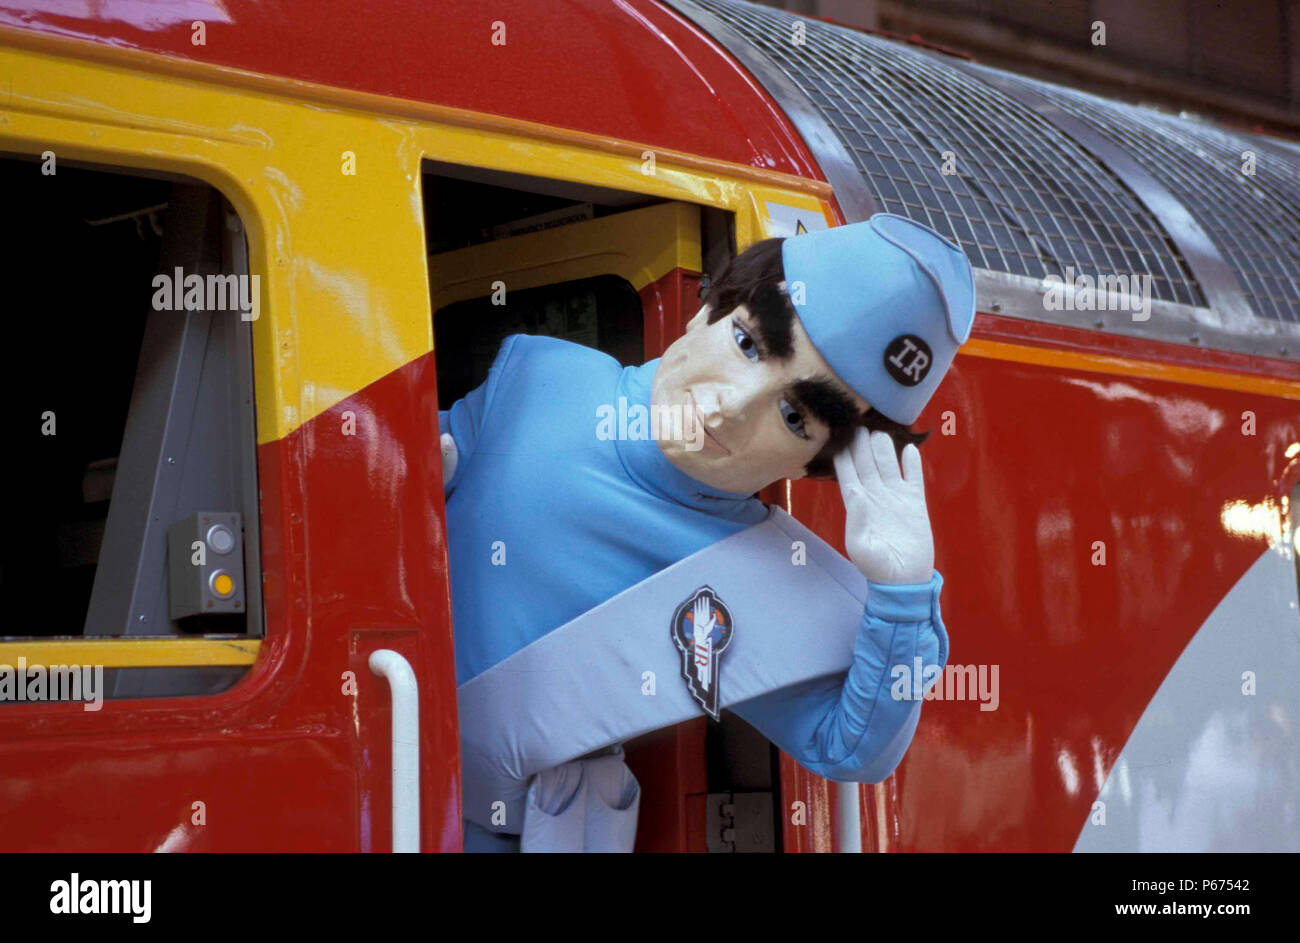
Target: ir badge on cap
701,629
908,359
886,302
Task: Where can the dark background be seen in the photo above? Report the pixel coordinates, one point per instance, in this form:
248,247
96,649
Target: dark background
1237,61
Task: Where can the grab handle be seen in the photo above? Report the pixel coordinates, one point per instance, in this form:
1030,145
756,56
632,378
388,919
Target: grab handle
397,671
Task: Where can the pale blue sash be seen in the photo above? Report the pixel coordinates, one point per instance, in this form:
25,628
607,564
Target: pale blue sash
615,673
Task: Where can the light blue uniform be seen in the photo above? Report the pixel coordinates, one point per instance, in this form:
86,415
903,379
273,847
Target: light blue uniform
577,520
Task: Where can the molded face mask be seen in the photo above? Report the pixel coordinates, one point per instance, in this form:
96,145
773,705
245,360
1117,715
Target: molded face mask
745,432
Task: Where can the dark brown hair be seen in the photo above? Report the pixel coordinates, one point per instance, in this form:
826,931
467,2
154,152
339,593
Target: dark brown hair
752,279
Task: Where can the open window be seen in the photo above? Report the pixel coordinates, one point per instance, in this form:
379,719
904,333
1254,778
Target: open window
128,379
516,261
621,273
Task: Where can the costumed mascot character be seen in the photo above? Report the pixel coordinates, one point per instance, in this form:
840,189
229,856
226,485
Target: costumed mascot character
611,576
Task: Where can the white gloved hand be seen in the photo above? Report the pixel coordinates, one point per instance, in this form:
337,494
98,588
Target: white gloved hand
450,456
887,527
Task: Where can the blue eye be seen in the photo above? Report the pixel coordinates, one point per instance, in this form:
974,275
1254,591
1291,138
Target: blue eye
793,421
744,341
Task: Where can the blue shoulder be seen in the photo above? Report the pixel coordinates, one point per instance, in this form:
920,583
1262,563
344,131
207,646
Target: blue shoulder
547,361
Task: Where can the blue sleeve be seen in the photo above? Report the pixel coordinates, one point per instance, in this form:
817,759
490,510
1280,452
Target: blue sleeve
464,420
856,727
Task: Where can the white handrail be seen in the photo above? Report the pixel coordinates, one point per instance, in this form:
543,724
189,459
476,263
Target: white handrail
848,818
391,666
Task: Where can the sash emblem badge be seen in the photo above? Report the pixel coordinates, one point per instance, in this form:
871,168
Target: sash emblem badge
702,628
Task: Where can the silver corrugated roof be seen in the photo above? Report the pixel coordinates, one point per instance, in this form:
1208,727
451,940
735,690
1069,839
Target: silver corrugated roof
1033,179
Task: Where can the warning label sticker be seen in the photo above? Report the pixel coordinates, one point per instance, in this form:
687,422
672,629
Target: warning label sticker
791,220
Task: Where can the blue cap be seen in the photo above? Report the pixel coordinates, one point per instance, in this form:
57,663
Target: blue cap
886,302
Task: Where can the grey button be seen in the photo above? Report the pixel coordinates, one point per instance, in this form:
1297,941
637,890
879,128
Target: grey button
220,539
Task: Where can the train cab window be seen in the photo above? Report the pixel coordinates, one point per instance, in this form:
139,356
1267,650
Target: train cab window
602,312
494,238
128,388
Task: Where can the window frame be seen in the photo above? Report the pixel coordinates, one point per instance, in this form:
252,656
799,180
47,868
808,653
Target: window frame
148,650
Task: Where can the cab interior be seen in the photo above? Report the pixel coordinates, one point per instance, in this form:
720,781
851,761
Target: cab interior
126,418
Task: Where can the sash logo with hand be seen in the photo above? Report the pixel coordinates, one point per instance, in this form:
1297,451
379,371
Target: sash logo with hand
702,627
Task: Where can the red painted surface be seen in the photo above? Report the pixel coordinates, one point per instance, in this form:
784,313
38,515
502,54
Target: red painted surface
354,559
631,70
808,803
1146,466
670,766
1035,334
668,303
1044,462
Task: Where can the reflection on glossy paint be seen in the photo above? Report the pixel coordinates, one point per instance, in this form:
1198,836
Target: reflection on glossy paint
1183,415
1188,417
1277,713
1098,764
1293,450
1262,520
1058,576
361,300
1111,391
1118,777
177,840
1221,783
1125,785
1069,771
138,13
883,844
